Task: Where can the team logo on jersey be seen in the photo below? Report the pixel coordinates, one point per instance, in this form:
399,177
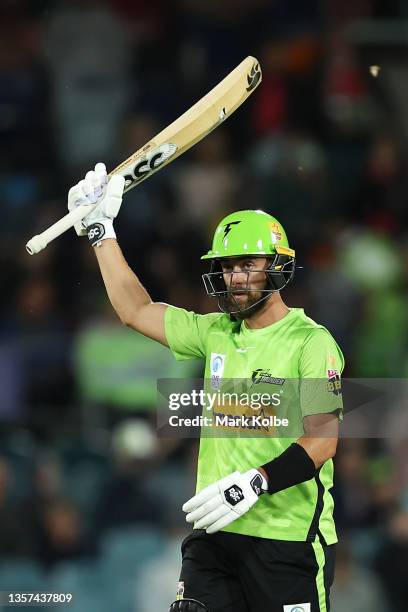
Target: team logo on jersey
217,363
334,382
304,607
262,375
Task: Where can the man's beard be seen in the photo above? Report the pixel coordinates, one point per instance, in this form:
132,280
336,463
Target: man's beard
255,303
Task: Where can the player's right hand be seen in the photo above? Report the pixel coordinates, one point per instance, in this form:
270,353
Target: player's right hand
225,501
104,198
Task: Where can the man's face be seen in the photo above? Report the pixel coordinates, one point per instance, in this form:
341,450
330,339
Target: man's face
244,276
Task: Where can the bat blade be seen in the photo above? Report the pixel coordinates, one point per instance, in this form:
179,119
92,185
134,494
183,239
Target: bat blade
191,127
203,117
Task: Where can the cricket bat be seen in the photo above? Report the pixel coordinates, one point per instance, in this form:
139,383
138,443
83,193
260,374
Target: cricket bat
203,117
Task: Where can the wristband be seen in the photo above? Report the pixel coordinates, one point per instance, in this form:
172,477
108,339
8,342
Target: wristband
291,468
100,231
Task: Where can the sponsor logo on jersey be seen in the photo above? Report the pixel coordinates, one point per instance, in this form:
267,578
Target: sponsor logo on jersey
217,364
262,375
334,382
304,607
244,350
333,373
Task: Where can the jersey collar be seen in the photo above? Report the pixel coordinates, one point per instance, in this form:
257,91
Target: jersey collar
293,312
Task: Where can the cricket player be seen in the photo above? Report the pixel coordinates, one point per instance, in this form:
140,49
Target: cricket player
264,537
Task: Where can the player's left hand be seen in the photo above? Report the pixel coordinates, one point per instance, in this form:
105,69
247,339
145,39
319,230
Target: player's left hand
223,502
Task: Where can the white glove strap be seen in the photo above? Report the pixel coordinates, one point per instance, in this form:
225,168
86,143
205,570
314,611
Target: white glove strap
100,230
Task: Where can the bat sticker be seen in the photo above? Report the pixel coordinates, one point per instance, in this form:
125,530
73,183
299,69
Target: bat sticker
149,163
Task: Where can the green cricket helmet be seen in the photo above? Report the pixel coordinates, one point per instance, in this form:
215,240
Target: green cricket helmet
251,233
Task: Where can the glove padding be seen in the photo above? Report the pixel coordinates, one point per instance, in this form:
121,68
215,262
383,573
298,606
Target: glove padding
104,199
223,502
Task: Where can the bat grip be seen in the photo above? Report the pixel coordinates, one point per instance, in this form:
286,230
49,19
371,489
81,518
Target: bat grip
40,241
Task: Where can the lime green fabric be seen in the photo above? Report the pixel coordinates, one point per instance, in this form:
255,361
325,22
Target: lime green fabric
320,559
291,350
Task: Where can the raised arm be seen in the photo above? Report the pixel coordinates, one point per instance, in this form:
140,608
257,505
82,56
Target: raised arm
128,297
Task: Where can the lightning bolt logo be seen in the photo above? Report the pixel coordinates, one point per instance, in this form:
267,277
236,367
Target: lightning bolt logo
228,226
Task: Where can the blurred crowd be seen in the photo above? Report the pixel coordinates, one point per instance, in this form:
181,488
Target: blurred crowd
321,146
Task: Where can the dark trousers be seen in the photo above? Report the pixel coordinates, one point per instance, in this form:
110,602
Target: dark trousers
234,573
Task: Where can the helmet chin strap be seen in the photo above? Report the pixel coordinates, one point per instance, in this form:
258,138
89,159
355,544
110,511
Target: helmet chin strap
244,313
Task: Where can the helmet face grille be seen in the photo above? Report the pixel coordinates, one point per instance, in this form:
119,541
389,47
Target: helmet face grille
278,275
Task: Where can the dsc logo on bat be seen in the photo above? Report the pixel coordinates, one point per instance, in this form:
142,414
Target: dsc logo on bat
149,163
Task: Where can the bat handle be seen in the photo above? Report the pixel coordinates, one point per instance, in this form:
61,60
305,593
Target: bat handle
40,241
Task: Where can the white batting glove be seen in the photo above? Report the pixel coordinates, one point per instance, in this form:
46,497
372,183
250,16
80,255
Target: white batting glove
104,199
223,502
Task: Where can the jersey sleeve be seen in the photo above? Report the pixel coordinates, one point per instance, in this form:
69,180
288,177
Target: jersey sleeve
320,368
186,332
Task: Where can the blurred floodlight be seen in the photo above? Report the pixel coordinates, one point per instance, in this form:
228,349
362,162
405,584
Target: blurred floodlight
375,70
134,439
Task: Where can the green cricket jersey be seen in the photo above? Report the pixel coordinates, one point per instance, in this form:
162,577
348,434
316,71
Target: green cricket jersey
295,348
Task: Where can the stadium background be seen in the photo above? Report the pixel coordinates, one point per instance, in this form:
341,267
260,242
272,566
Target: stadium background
89,498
